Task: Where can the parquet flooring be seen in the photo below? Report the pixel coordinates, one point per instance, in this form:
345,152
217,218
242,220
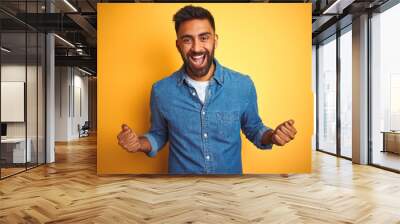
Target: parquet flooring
69,191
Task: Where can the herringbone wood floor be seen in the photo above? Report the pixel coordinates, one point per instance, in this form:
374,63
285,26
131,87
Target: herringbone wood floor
69,191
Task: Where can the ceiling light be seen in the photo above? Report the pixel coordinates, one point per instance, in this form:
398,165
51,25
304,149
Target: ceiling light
84,71
5,50
70,5
64,40
338,6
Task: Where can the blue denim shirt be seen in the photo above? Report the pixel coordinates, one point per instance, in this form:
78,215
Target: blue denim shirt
205,138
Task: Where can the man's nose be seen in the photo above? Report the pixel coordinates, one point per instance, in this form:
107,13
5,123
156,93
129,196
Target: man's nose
196,47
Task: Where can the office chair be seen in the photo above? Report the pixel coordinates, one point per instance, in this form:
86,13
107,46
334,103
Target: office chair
84,130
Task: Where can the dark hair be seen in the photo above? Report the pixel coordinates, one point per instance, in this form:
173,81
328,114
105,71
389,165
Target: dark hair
190,12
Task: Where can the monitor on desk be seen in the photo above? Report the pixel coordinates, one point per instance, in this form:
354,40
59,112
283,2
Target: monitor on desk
3,130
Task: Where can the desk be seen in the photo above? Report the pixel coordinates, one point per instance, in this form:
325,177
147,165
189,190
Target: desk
13,150
391,141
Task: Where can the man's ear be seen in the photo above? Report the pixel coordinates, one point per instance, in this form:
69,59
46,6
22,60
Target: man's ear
216,40
176,44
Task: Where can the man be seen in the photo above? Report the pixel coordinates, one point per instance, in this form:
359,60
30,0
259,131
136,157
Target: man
201,108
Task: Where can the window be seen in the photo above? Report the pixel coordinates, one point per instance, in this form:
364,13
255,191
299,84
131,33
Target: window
385,88
327,95
346,93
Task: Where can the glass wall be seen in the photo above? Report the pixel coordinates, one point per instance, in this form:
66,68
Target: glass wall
334,73
346,92
385,88
22,90
31,100
327,95
13,90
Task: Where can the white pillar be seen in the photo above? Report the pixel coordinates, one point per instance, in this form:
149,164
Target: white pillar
360,90
50,91
50,100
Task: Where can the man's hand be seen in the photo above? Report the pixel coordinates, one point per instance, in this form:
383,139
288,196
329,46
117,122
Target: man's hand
284,133
129,140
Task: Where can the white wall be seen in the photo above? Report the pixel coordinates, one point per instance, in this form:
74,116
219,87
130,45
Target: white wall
61,103
71,94
81,84
33,127
15,72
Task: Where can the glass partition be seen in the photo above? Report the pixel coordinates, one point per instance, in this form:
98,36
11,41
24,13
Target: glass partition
327,95
22,88
14,153
346,93
385,89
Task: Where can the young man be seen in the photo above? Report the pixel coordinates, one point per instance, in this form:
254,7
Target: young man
201,108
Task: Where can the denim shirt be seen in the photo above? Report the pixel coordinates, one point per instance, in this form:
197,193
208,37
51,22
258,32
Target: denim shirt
205,138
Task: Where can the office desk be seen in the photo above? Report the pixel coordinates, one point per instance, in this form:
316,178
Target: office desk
391,141
13,150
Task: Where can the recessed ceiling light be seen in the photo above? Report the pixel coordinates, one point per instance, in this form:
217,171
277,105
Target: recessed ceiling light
64,40
337,7
84,71
5,50
71,6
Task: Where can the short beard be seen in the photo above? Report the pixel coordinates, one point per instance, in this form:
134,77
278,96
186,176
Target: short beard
198,72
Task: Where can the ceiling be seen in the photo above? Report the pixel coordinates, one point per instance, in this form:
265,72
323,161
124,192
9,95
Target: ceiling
76,22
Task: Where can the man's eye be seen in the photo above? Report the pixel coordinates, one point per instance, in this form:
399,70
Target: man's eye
186,40
204,38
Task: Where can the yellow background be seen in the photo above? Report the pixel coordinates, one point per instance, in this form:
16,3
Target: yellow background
270,42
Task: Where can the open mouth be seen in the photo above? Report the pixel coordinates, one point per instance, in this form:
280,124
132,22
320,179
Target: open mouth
198,60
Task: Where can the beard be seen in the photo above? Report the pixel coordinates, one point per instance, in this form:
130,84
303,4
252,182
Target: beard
198,63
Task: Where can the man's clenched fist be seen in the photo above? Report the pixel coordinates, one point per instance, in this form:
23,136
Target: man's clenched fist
284,133
128,139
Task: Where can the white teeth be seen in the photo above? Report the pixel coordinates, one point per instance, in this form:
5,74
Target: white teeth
198,59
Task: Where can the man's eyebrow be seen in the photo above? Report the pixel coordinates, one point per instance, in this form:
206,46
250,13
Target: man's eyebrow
186,35
190,36
205,33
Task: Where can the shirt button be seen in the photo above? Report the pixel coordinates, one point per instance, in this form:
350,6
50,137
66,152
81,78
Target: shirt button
205,135
193,93
203,112
207,157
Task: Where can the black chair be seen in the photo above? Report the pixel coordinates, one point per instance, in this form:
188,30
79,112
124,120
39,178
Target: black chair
84,130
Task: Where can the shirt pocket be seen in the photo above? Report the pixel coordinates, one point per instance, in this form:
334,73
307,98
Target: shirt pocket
228,123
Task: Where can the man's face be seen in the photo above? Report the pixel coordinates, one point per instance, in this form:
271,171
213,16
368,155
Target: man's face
196,41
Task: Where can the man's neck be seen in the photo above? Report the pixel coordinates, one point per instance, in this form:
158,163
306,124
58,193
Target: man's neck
205,77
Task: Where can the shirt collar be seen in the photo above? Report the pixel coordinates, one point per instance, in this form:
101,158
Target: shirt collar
218,73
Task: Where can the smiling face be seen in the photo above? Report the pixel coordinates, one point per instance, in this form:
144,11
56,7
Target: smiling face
196,41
